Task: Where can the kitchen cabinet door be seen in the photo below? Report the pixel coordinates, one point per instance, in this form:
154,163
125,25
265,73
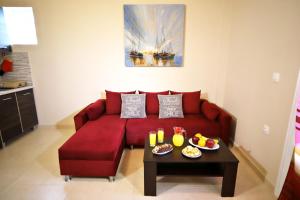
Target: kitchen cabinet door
27,109
10,125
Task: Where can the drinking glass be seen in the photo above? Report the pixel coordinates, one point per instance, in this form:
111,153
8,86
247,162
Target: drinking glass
152,138
160,135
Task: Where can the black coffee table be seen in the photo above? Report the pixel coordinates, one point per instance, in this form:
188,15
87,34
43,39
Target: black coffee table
217,163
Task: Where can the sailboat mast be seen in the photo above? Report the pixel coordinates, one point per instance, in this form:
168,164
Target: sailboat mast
139,44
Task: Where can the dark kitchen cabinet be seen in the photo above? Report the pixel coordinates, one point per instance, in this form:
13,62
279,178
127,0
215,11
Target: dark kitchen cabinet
10,124
27,109
17,114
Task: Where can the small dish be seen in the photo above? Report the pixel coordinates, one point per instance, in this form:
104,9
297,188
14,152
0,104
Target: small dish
191,152
162,149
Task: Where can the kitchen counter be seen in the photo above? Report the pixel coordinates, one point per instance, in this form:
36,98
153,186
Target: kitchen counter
7,91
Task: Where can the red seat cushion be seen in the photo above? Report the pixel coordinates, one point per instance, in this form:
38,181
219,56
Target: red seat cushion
152,103
138,129
96,140
113,101
210,110
190,102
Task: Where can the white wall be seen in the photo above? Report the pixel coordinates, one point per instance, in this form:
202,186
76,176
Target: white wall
80,53
265,39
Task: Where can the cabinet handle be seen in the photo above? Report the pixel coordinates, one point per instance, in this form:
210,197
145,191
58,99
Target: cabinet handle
28,93
6,99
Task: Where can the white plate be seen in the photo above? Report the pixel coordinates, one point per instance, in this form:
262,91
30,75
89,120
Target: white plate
200,154
162,153
216,146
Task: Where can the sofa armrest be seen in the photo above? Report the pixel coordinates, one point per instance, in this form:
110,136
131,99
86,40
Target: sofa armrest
90,112
225,120
81,118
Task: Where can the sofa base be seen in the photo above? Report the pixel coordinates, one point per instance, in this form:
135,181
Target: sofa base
111,178
68,178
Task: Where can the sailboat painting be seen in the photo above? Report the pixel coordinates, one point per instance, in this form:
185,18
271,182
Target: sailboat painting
154,35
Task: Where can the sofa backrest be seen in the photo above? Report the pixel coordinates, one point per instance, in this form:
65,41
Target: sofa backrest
113,101
190,102
152,103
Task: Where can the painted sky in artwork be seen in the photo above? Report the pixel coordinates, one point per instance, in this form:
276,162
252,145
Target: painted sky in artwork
154,27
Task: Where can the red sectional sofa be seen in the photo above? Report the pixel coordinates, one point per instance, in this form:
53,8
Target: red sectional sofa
96,147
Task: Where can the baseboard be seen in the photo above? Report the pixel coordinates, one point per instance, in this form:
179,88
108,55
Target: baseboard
258,168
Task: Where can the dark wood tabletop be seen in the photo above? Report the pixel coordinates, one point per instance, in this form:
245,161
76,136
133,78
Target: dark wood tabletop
223,154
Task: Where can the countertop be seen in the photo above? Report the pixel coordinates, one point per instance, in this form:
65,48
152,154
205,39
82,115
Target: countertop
7,91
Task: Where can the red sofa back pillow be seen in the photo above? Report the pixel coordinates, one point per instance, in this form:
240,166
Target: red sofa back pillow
190,101
210,110
152,103
114,102
95,110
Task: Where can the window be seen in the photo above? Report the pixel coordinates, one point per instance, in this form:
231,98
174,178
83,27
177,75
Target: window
4,41
20,26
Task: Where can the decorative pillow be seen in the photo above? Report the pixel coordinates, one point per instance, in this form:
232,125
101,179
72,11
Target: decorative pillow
113,101
95,110
190,101
210,110
133,106
152,104
170,106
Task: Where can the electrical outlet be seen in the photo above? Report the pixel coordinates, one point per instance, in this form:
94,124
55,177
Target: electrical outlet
276,77
266,129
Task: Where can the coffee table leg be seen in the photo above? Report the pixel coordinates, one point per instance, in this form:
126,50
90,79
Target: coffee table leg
149,179
229,178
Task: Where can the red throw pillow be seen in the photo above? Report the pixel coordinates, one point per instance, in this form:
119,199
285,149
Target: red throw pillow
210,110
95,110
152,103
190,101
113,101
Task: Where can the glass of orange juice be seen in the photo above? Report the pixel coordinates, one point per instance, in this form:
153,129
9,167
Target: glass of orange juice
152,138
160,135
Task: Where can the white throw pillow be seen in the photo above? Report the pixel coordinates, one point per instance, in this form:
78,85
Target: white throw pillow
133,106
170,106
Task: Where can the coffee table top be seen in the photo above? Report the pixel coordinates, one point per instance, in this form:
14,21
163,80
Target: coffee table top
221,155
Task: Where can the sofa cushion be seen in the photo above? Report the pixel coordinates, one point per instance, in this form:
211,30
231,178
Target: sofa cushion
94,110
113,101
210,110
96,140
133,106
190,101
138,129
170,106
152,104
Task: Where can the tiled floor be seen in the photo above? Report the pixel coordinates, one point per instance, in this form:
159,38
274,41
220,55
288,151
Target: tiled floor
29,170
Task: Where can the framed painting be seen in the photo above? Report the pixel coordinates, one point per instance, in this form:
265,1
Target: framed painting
154,35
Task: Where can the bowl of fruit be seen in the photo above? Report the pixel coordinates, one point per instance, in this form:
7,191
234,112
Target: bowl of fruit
202,142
